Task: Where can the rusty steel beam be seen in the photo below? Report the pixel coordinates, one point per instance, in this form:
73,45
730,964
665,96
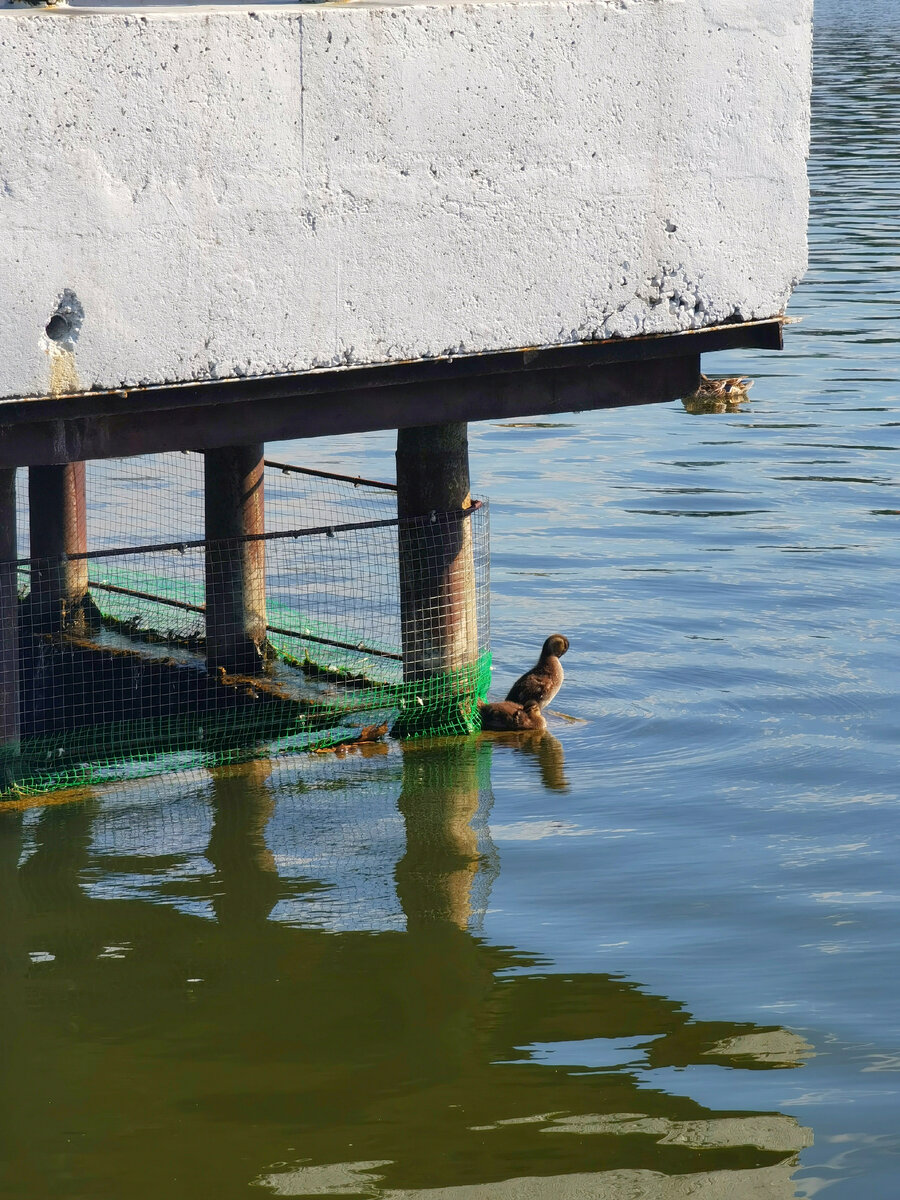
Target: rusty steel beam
530,392
124,402
235,564
436,563
57,519
9,630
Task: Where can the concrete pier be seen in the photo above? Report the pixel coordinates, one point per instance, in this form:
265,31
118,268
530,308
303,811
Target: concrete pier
200,194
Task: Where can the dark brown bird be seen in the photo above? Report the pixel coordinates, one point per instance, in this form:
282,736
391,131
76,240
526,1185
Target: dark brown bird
507,715
544,680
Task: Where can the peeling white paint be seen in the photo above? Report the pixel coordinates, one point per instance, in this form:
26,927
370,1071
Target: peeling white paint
234,191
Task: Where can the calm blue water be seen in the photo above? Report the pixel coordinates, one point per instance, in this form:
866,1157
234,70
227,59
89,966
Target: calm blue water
656,956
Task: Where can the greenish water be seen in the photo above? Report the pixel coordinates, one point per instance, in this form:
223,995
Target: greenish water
652,955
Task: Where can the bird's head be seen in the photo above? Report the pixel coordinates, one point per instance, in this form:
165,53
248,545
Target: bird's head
557,644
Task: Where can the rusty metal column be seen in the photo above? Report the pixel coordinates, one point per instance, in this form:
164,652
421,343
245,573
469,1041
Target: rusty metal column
57,521
9,628
437,569
235,568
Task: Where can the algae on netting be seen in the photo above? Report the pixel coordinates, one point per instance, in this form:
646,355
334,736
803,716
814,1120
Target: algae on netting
169,712
125,690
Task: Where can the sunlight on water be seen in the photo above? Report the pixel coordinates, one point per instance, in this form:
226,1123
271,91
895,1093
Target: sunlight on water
652,954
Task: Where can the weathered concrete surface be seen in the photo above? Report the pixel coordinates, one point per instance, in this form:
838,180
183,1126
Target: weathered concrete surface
202,193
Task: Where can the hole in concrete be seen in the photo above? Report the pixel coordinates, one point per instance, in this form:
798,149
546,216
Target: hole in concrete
65,323
58,328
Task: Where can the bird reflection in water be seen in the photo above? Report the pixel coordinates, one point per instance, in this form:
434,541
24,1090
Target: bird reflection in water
546,752
166,1032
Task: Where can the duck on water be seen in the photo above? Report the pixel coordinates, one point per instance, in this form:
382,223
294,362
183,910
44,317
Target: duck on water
532,692
507,715
545,678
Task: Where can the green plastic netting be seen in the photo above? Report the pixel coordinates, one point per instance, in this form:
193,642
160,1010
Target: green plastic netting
122,688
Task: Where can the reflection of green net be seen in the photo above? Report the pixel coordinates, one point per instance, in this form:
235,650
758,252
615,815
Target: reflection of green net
126,693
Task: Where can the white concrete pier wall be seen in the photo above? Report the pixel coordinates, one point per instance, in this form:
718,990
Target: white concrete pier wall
218,192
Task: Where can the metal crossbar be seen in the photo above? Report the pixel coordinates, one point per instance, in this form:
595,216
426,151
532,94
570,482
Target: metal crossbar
186,606
202,543
356,480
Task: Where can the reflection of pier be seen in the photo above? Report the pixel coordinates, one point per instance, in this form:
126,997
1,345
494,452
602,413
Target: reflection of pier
167,1036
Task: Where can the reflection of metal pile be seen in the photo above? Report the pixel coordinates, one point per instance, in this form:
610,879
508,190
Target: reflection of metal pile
284,960
122,684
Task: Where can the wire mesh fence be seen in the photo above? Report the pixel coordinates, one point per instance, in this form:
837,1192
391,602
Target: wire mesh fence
131,653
